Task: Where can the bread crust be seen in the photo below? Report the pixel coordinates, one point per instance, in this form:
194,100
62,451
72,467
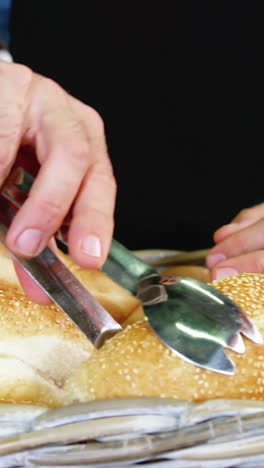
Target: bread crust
40,347
136,363
46,360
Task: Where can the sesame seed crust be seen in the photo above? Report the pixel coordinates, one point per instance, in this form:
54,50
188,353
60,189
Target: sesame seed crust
136,363
39,347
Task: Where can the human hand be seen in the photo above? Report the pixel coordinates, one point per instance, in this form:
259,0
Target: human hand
239,245
75,177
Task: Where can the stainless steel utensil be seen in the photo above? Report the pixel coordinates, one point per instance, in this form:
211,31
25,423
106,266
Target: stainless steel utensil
192,318
52,275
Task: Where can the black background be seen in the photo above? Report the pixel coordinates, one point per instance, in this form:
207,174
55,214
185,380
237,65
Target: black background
180,91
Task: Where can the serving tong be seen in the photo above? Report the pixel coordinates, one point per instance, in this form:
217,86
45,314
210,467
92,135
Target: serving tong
191,318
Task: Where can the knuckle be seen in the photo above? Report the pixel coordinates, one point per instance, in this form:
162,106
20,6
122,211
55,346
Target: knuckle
18,73
50,91
103,173
76,150
4,163
240,245
95,121
51,211
21,75
11,119
102,220
95,115
255,213
10,127
50,85
244,214
234,246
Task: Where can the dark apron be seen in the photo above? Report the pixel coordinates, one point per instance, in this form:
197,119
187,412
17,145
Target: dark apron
181,96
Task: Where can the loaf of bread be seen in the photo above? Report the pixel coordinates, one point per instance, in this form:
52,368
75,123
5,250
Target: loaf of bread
135,363
39,348
46,360
115,299
39,345
8,276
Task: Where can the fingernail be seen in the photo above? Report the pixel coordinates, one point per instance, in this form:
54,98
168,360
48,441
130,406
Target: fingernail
223,272
28,243
91,245
213,259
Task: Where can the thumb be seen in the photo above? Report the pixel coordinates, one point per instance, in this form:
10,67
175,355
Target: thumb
30,287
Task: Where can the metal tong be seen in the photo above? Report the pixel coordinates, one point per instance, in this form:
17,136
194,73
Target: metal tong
192,318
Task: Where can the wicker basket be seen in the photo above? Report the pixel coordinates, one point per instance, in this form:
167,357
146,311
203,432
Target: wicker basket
133,432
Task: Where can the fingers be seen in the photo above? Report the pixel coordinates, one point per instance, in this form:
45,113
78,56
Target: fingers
254,213
243,241
252,262
243,219
50,199
229,229
75,166
89,236
92,222
242,251
75,175
239,245
15,81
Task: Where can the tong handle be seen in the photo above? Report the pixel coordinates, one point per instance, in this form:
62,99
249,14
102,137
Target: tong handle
51,274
